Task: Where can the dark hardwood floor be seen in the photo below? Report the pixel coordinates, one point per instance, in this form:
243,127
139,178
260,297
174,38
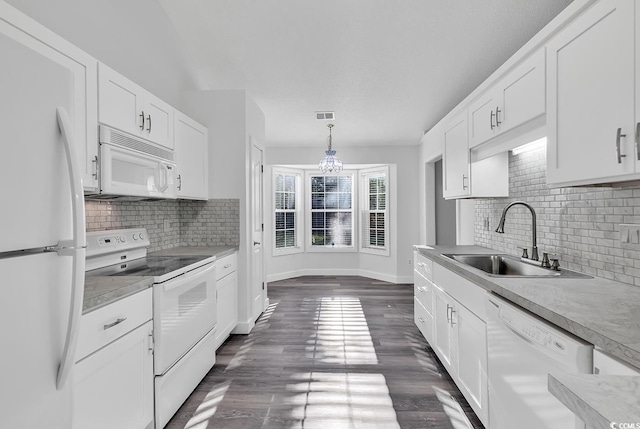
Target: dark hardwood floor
331,353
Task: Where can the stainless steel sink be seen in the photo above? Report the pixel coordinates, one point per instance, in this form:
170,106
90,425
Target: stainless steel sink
509,266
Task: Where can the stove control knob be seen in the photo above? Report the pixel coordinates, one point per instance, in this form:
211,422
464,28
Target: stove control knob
142,236
123,239
135,237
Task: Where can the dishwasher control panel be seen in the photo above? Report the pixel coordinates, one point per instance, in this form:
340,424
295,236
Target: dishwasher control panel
532,330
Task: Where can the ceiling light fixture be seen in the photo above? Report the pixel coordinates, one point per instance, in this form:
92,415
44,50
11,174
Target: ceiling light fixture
330,162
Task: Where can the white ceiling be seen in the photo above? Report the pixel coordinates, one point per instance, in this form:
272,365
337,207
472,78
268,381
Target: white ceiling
389,69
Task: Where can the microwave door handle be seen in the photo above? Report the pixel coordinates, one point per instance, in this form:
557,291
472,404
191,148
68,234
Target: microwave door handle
74,248
165,178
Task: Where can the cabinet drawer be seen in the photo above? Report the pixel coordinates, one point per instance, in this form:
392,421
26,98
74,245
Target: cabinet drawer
423,320
226,265
423,265
423,291
104,325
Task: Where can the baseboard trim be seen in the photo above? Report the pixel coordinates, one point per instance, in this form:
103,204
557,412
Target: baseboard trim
244,328
346,272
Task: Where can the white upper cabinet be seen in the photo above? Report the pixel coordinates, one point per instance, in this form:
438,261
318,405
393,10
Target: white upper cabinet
456,158
463,178
591,92
32,57
126,106
514,100
191,145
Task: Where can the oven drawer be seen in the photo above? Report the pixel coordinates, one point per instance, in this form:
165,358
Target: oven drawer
226,265
104,325
184,310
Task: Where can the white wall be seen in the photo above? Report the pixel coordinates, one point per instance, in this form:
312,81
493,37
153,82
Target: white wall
134,37
396,267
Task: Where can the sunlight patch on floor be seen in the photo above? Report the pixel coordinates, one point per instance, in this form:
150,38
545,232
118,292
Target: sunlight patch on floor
453,409
342,335
340,400
207,407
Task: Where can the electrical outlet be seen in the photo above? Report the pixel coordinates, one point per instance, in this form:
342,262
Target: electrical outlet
630,236
410,261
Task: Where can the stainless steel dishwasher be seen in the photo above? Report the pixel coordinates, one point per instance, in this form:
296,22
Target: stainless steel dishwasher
522,349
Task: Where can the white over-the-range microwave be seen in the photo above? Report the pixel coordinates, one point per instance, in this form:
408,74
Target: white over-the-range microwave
130,167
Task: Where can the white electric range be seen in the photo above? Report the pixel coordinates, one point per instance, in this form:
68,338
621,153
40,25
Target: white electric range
184,309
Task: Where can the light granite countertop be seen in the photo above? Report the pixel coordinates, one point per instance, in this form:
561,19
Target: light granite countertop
103,290
599,400
600,311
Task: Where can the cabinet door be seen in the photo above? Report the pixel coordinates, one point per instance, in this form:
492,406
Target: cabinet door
158,126
442,319
120,102
456,159
591,96
482,119
192,158
113,388
227,307
522,93
471,359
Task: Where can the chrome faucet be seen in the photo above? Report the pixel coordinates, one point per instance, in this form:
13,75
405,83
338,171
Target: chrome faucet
500,228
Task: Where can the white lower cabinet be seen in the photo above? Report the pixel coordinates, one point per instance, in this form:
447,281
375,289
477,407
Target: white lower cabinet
113,378
461,344
114,386
227,297
457,331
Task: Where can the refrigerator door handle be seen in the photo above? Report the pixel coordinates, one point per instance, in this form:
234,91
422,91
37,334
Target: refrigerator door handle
77,192
74,248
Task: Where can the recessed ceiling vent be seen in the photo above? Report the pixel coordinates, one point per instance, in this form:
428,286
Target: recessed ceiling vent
325,116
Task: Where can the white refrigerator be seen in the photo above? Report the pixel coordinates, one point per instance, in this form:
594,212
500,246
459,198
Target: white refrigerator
42,231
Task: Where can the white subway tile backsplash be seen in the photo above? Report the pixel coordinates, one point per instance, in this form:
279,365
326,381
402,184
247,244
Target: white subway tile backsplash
581,225
171,223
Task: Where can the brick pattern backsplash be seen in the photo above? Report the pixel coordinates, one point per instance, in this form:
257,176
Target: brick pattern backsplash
581,225
170,223
210,223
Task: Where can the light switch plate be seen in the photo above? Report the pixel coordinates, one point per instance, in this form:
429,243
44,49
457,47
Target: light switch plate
630,236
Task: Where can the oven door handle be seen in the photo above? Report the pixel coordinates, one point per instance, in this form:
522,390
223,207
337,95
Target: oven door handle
188,277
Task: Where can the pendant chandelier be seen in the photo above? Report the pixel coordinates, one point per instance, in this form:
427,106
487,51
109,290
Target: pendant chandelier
330,163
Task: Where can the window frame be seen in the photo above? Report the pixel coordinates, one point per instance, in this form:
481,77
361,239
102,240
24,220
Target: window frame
300,213
364,175
308,214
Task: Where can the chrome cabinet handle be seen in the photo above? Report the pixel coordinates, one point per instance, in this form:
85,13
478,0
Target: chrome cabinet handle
227,266
421,319
142,120
179,182
464,177
255,243
118,321
453,322
449,308
95,161
618,135
491,120
497,117
149,120
638,140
